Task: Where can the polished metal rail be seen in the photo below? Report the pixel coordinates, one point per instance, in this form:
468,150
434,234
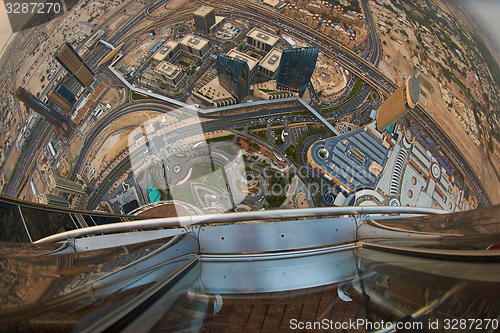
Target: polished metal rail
183,221
465,255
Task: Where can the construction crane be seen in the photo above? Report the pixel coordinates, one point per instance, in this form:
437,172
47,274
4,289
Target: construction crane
332,57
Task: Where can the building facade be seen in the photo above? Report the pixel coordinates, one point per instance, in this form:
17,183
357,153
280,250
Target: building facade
196,46
63,97
166,52
252,62
296,68
234,76
399,103
261,39
72,62
53,200
51,115
64,185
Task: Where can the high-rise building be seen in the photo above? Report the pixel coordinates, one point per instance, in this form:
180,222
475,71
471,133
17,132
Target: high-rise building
252,62
64,185
296,68
53,200
71,61
204,18
291,10
63,97
56,119
337,11
327,8
234,76
401,101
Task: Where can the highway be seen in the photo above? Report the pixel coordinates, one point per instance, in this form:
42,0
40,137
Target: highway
216,155
214,124
27,158
374,39
108,118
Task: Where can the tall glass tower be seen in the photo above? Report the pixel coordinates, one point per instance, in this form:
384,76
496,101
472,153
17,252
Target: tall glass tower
52,116
234,76
296,68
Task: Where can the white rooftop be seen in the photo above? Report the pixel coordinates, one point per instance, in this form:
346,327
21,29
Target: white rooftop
240,55
194,42
263,36
203,11
164,50
167,69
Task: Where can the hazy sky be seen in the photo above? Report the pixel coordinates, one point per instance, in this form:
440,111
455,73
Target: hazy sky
488,13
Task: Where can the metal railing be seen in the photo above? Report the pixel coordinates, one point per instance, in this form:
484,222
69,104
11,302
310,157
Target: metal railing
183,221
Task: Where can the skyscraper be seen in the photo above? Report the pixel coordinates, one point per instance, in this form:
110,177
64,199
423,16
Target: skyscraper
296,68
64,185
234,76
63,97
72,62
204,18
43,109
401,101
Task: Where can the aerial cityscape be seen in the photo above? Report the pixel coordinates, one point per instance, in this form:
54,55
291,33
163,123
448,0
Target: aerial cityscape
124,106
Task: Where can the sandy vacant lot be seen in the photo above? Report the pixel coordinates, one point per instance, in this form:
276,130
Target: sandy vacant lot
116,138
476,155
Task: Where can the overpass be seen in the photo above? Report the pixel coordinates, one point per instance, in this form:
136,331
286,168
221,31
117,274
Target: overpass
149,93
109,45
223,108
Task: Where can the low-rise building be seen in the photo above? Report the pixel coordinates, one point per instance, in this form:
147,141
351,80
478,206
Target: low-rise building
270,63
252,62
197,46
261,39
166,52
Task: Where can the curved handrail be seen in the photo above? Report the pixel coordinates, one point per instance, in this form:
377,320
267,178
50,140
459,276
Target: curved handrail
183,221
384,227
467,255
